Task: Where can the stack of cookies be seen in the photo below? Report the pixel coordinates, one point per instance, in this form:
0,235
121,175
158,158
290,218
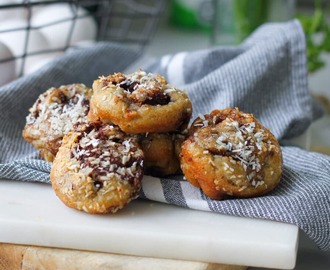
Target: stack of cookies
101,141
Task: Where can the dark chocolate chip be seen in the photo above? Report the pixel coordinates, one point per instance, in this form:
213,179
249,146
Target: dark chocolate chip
128,85
157,98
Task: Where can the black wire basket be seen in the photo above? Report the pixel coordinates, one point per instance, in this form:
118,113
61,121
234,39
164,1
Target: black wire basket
130,22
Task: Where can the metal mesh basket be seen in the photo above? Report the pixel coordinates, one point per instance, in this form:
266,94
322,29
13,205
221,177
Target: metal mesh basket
125,21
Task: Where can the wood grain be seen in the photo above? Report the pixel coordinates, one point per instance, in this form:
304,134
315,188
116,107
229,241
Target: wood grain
11,256
19,257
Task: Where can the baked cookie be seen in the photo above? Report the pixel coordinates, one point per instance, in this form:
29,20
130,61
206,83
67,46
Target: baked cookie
161,153
97,169
229,152
53,115
140,103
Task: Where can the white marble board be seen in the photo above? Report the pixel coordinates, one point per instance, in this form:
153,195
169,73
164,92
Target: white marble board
31,214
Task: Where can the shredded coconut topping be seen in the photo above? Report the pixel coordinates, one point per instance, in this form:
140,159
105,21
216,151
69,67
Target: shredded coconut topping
103,156
60,113
141,87
148,81
243,145
63,116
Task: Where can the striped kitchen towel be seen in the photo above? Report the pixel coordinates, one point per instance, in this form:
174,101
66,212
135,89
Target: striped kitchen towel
266,75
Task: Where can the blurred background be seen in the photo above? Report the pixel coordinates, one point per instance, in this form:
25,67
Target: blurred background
33,33
47,28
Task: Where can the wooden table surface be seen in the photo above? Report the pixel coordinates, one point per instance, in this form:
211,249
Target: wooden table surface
20,257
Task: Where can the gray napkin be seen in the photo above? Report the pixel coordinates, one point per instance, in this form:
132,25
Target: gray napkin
266,76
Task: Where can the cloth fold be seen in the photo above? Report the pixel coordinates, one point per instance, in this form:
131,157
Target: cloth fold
266,75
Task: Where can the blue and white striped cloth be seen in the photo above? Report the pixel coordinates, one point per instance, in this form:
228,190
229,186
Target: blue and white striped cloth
266,76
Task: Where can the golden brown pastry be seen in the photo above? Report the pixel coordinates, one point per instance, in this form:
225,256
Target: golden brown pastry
161,153
140,103
98,169
229,152
53,115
